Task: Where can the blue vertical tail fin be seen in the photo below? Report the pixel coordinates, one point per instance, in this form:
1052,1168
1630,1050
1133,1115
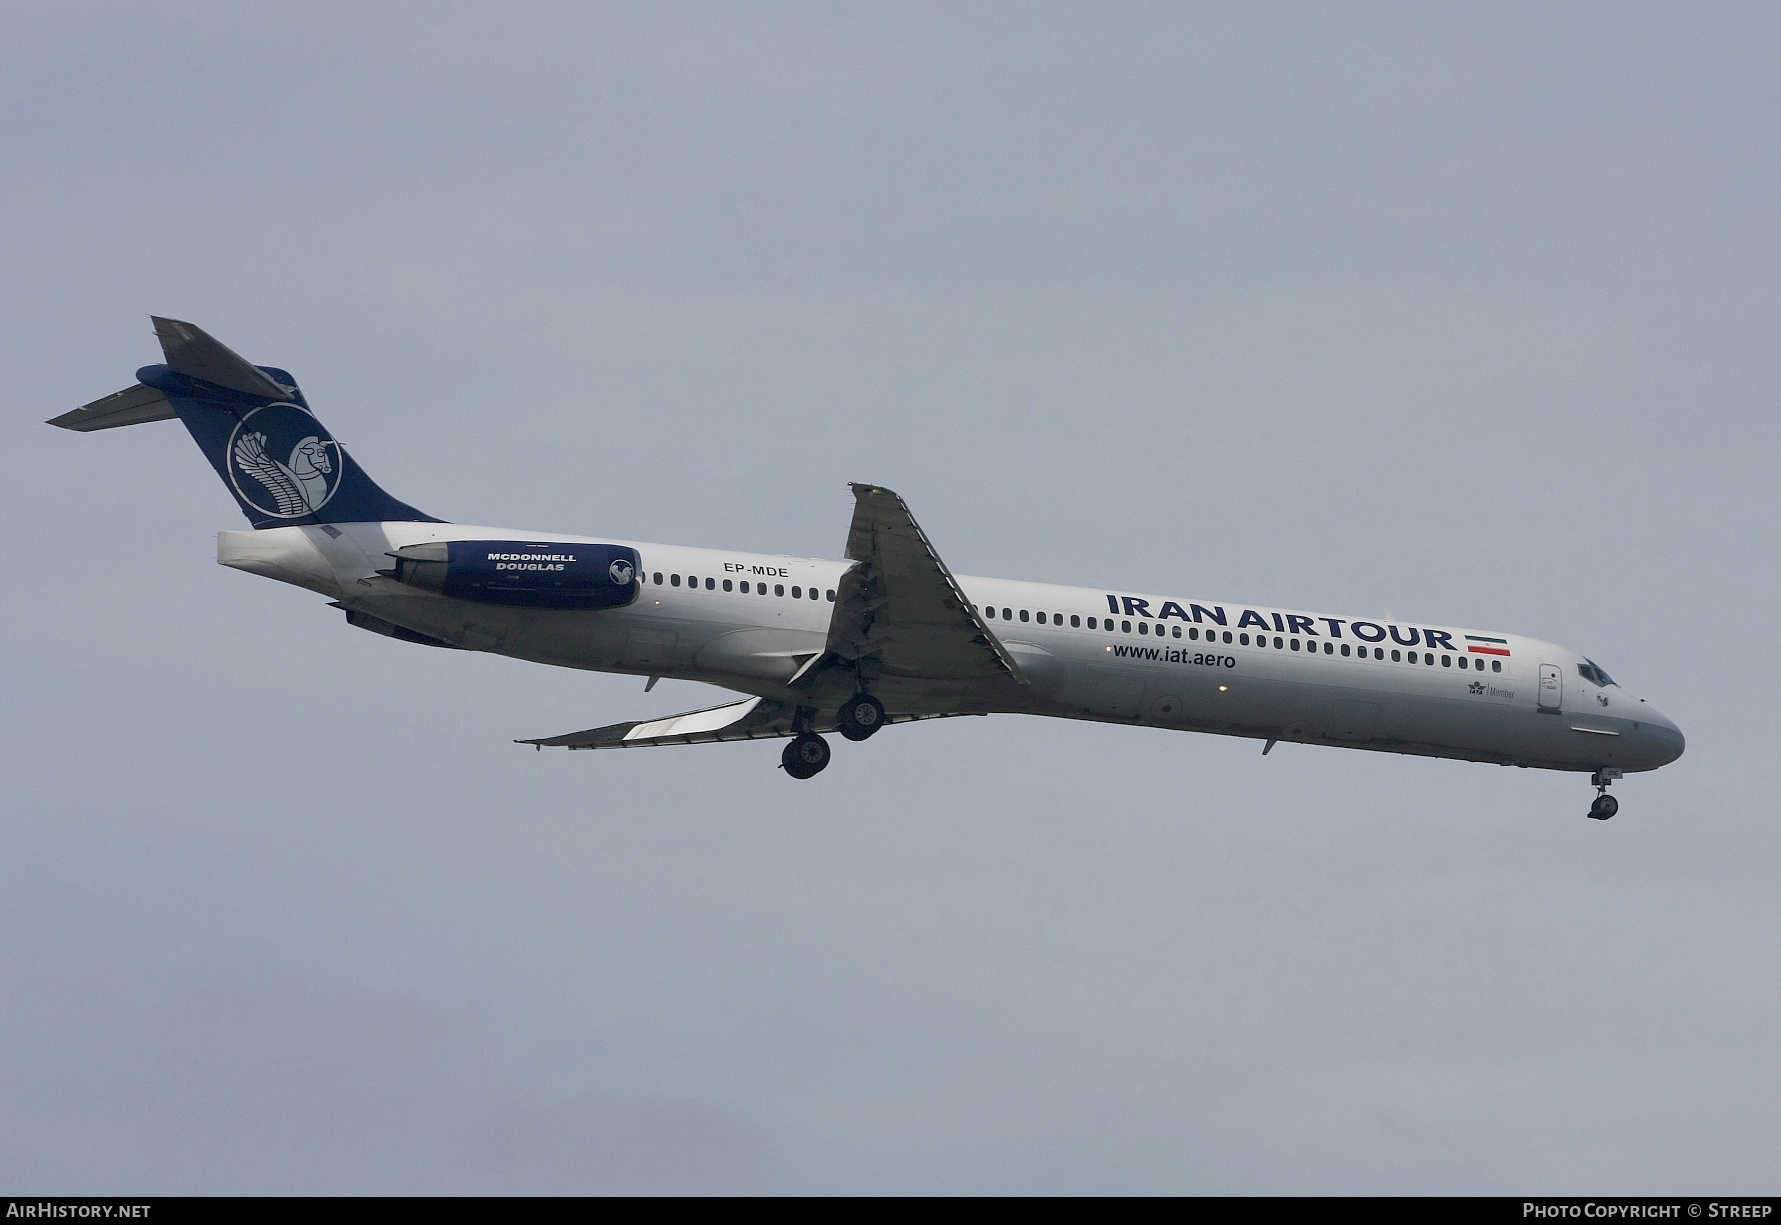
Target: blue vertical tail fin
281,464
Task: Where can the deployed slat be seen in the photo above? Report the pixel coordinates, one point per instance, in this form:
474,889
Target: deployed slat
131,406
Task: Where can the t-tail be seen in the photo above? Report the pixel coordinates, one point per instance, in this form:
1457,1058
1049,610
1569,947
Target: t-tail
255,427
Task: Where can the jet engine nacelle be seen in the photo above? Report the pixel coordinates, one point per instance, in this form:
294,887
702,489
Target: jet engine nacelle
522,572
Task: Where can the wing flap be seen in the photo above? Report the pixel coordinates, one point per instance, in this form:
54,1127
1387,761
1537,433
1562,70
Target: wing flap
749,719
744,720
697,723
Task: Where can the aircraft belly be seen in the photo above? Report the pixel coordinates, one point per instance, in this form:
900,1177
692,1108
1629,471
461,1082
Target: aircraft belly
761,654
1244,703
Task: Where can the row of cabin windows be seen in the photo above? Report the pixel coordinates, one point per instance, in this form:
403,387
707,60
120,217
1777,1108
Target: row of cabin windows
1261,640
798,593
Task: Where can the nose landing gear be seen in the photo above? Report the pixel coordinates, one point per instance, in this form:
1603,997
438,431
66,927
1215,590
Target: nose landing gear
1605,805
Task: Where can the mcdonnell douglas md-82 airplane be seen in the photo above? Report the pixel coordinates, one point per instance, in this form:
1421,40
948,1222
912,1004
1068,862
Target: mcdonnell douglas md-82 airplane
886,636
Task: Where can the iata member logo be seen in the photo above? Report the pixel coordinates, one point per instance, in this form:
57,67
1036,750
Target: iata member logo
282,462
621,572
1476,686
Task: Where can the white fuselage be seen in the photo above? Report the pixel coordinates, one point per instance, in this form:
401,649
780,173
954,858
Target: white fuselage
732,619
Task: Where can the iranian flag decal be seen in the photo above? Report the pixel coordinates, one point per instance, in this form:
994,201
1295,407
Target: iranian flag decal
1486,646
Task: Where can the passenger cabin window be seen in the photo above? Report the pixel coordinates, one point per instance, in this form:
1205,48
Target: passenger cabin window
710,583
1076,621
1023,615
831,595
658,578
797,593
675,580
1041,618
726,584
1496,665
779,589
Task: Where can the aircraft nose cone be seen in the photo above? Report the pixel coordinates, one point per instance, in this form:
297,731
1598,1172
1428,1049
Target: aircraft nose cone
1665,739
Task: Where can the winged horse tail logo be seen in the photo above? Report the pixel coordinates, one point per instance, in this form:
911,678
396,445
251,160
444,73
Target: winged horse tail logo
299,487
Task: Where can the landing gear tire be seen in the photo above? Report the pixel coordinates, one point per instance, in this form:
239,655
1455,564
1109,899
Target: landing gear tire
805,756
859,717
1605,806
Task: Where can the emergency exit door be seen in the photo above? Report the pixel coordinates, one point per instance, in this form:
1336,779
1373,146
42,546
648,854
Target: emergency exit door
1552,687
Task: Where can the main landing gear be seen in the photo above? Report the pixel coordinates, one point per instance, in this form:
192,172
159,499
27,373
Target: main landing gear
805,756
858,719
1605,805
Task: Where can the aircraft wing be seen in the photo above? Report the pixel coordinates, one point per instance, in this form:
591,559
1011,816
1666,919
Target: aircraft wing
749,719
899,609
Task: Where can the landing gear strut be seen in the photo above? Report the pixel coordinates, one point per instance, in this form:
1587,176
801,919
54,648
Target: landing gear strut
859,717
1605,805
805,756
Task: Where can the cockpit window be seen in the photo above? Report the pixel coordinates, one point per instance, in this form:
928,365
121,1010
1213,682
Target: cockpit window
1593,673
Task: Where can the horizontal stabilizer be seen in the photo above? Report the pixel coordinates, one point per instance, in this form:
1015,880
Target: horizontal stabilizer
197,354
131,406
749,719
279,463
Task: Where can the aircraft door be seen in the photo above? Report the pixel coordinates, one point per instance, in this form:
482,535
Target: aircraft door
1552,687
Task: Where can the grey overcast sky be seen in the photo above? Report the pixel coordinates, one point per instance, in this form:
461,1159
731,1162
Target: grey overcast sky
1467,311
